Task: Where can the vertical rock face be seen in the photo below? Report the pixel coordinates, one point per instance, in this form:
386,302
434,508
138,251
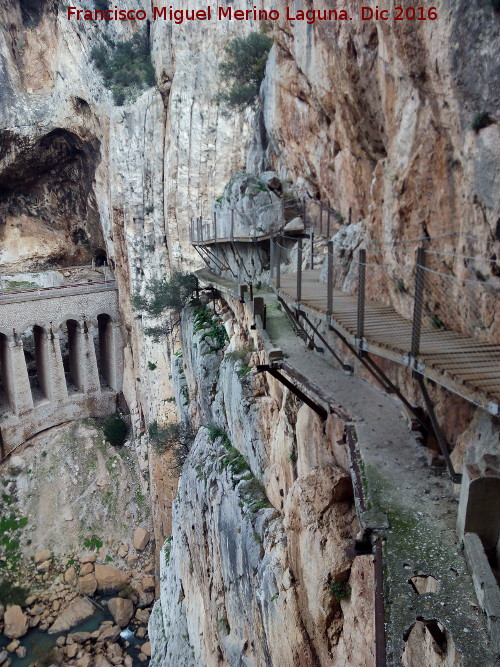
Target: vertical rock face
374,117
256,545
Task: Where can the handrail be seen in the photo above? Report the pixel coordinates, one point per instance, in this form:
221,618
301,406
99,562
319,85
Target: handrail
41,291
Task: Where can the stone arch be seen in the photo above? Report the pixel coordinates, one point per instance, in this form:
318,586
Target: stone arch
34,341
70,343
104,343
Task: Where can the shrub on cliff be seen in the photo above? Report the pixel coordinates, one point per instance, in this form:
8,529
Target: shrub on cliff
115,430
175,437
245,66
165,294
126,67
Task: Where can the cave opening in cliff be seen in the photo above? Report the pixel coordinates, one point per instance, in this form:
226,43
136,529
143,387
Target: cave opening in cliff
103,347
5,381
34,340
69,352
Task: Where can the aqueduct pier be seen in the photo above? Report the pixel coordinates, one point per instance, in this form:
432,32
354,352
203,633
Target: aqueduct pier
61,358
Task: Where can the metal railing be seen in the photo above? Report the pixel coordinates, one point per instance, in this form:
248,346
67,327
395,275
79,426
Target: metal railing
266,221
45,292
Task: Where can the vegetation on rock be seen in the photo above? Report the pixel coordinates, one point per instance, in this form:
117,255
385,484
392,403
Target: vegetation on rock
166,294
126,67
245,66
174,437
115,430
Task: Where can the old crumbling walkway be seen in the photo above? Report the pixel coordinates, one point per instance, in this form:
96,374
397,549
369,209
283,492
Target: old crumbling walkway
412,509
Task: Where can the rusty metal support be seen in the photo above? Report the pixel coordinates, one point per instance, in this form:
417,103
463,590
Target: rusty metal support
299,271
318,409
361,298
329,284
227,261
456,477
418,305
380,641
345,367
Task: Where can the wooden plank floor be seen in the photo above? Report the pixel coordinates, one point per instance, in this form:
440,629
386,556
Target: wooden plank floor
467,366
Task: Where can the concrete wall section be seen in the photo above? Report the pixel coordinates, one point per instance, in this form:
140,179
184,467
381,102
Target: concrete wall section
70,332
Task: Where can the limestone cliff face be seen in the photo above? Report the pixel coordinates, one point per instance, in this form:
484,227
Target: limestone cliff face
256,542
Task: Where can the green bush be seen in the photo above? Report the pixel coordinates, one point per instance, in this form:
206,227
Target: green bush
340,590
93,543
175,437
245,66
215,334
11,594
166,294
115,430
151,366
126,67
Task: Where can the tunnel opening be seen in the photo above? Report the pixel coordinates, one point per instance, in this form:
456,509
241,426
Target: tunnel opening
34,343
69,353
103,348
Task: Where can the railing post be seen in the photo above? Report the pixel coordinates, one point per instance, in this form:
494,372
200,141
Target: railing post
299,271
419,304
232,224
311,238
215,225
304,212
329,285
271,257
278,263
361,298
321,217
328,223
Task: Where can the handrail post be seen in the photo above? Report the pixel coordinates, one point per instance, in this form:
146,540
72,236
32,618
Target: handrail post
215,226
299,271
311,236
271,257
329,285
304,212
361,298
278,263
328,223
418,306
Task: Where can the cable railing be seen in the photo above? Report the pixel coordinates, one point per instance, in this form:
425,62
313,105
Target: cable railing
421,314
93,286
263,222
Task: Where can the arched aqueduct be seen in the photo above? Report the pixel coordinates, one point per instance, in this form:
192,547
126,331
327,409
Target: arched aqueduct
61,358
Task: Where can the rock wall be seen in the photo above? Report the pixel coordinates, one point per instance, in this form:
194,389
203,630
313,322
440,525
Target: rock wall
257,541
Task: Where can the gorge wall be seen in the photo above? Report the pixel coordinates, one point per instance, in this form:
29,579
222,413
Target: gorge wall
353,114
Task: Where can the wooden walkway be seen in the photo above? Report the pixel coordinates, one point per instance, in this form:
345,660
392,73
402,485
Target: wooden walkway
465,366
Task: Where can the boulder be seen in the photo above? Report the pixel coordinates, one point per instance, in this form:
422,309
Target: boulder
146,649
100,661
16,465
45,566
87,584
109,634
295,225
109,579
78,637
21,652
148,584
41,556
16,622
3,657
86,568
271,179
70,575
72,650
141,539
122,610
76,611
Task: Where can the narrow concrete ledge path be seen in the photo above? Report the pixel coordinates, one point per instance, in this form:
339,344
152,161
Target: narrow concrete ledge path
420,505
